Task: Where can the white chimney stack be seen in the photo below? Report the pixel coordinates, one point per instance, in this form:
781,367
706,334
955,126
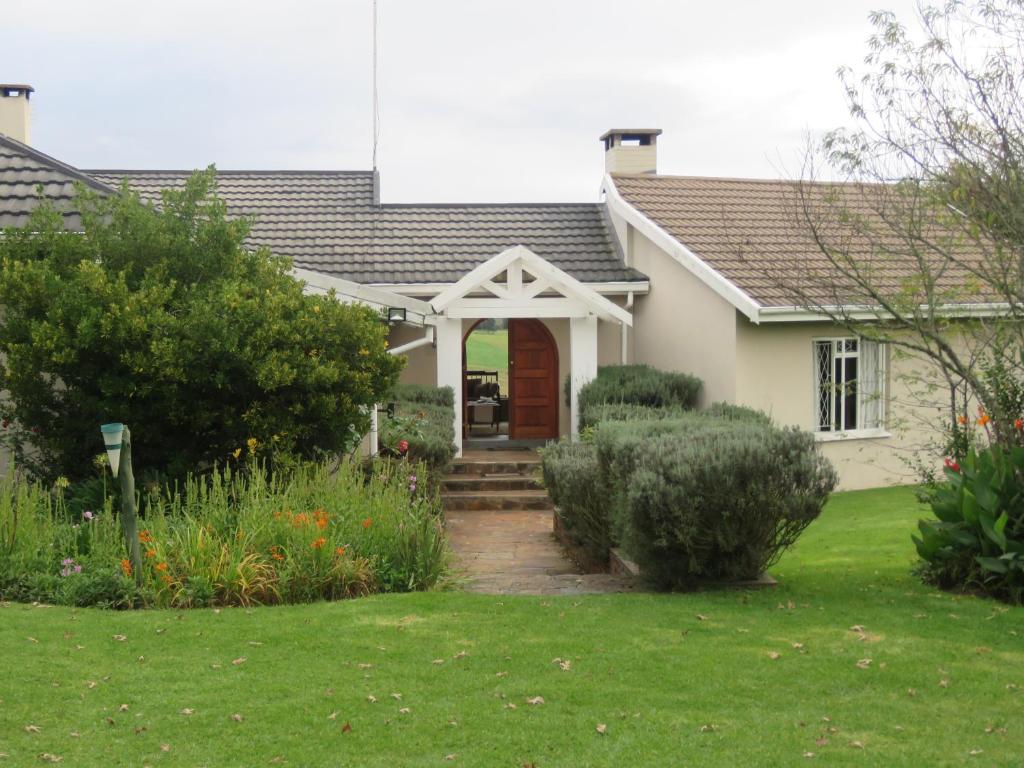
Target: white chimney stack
631,150
15,120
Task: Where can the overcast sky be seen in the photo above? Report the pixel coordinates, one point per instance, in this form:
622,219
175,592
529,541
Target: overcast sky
480,100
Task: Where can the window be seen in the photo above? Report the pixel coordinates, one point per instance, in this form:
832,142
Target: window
850,384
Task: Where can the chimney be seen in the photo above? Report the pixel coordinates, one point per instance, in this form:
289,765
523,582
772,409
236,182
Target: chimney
14,112
631,150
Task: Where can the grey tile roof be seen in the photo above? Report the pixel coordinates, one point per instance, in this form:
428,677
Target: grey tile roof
23,171
327,222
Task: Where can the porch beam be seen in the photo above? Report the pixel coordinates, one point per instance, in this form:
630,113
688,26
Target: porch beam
583,364
499,308
449,367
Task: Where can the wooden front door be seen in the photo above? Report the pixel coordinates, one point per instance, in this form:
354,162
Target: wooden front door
533,380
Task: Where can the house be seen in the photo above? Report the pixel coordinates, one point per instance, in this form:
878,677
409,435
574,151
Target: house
650,274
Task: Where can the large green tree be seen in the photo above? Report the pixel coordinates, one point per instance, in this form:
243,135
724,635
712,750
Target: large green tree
160,317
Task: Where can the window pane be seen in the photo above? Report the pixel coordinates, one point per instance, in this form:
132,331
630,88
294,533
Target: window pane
850,394
823,350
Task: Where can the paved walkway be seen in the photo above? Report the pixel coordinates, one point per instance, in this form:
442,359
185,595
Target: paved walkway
513,551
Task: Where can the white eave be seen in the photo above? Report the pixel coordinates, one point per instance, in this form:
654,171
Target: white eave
683,255
616,288
352,292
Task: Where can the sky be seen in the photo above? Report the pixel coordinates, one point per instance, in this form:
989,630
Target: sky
480,101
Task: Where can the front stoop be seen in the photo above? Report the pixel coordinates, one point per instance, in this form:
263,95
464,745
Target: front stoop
499,525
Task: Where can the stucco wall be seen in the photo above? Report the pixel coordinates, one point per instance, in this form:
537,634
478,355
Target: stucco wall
681,324
775,373
421,365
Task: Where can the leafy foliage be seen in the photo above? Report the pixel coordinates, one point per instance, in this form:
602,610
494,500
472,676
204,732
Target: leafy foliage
162,319
977,540
231,538
712,499
424,419
715,495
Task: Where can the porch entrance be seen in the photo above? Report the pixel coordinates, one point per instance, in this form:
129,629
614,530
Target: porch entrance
515,399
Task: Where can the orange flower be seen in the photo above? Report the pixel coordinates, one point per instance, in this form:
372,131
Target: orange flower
300,520
166,579
161,566
150,553
145,537
961,420
321,523
984,419
367,522
318,543
275,553
340,551
126,567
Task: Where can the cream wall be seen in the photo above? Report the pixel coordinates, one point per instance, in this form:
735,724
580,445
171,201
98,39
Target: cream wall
775,373
421,365
681,324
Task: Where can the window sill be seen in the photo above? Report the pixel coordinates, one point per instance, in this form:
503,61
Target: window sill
851,434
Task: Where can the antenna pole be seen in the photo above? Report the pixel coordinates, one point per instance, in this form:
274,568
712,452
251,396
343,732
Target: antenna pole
375,109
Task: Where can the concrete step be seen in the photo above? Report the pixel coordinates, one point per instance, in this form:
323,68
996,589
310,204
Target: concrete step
496,500
489,483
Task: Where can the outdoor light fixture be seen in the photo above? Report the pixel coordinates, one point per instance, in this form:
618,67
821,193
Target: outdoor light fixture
396,314
112,440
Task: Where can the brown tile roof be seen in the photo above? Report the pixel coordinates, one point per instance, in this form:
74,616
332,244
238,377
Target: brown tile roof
753,233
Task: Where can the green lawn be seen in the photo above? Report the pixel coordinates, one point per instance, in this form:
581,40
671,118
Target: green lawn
488,350
684,679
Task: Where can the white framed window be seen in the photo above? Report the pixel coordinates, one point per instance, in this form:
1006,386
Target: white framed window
849,385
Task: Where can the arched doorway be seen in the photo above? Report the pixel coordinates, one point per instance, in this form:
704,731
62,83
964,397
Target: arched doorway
529,409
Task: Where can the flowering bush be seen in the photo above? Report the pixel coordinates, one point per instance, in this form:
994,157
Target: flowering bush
977,538
231,538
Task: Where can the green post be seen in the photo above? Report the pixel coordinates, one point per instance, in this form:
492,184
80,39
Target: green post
129,515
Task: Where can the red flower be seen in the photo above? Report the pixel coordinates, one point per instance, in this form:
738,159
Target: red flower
952,465
1019,424
403,447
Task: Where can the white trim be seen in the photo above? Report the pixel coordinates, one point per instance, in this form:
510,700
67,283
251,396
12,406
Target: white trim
429,337
638,287
793,314
455,301
852,434
711,277
363,294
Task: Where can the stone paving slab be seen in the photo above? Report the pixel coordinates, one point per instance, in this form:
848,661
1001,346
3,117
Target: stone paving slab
515,552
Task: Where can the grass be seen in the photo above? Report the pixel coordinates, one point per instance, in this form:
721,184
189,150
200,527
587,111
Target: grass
488,350
677,679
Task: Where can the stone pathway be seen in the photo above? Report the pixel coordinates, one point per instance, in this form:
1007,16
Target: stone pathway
500,527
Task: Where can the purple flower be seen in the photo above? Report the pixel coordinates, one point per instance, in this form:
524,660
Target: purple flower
70,567
87,515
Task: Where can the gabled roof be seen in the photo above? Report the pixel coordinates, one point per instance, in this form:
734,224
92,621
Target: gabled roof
327,222
748,233
23,171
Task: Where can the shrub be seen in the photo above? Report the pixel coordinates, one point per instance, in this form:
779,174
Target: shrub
573,481
640,385
720,502
232,538
419,393
600,412
737,413
426,421
977,540
162,318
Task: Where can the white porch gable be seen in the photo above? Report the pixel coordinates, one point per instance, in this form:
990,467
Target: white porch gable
519,283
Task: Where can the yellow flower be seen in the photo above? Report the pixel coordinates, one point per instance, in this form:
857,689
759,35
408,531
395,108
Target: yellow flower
237,452
316,308
62,482
252,442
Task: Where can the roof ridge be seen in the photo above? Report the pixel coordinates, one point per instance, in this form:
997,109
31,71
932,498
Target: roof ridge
745,180
55,164
227,172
